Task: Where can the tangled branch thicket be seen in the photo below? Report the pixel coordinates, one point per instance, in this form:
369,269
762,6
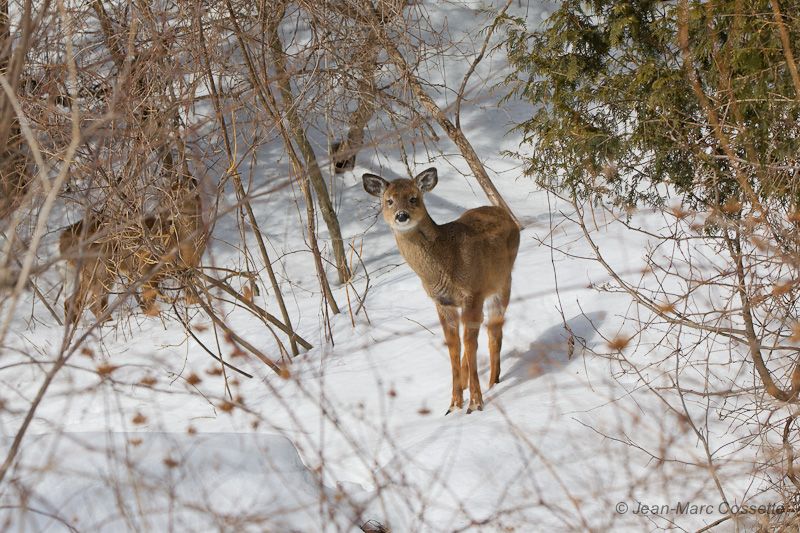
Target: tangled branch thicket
130,132
156,151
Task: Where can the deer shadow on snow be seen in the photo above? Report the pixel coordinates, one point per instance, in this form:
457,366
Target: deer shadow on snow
549,353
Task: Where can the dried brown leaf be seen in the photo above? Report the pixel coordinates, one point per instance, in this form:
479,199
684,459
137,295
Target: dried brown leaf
619,343
105,369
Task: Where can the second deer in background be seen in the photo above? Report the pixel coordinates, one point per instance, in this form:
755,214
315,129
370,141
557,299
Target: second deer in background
99,251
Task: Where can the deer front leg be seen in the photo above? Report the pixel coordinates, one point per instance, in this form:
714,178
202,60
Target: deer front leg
73,304
99,285
150,293
74,292
471,317
448,316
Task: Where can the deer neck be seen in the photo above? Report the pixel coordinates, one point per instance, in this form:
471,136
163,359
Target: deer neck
419,247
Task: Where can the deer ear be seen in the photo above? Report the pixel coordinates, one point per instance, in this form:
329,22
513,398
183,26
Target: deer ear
375,185
427,179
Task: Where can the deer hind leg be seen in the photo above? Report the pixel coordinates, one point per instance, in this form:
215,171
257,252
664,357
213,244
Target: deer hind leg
448,316
497,310
471,318
153,277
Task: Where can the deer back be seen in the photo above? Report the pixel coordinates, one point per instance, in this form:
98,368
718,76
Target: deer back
469,257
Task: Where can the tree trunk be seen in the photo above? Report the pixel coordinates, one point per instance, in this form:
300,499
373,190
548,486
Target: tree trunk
311,165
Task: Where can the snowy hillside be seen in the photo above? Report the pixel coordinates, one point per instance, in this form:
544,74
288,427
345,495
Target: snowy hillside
141,430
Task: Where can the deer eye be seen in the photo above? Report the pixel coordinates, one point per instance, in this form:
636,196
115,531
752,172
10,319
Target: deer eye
389,202
413,200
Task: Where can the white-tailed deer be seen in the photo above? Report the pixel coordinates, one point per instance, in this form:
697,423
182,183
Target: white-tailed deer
462,264
100,251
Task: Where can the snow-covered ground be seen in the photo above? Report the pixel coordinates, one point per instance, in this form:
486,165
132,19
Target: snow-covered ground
357,431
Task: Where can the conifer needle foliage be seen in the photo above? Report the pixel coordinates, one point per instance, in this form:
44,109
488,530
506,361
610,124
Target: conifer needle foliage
621,105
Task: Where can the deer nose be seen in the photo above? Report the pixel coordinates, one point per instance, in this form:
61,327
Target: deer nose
402,216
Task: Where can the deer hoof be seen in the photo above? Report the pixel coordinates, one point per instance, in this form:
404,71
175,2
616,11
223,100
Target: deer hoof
475,405
454,406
